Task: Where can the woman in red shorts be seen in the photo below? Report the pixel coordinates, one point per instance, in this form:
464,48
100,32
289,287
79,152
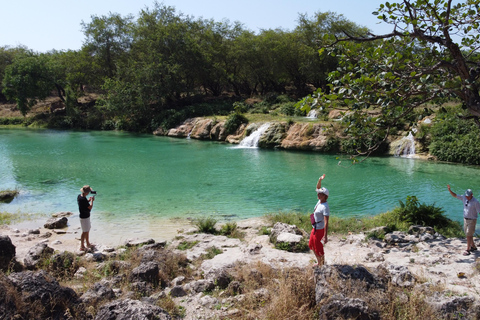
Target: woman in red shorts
320,229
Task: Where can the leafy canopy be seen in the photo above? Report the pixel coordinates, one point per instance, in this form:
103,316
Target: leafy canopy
430,56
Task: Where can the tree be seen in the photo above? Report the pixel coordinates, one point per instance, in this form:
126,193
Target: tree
108,41
28,79
429,56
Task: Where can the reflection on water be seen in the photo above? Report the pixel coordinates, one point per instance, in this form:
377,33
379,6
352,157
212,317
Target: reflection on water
141,178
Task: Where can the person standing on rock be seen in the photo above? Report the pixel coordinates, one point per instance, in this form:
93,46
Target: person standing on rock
471,207
320,228
85,206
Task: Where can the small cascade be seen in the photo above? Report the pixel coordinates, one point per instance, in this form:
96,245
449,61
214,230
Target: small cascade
190,133
252,140
406,147
312,114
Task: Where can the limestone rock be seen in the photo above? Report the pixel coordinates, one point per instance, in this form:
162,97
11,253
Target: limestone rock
39,287
201,285
7,196
146,272
280,227
97,293
202,128
7,252
127,309
139,242
36,254
178,291
340,307
56,223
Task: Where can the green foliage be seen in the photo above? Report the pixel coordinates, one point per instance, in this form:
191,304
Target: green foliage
211,253
301,246
240,107
185,245
27,80
233,122
206,225
397,74
265,231
288,108
230,230
400,218
414,212
455,140
11,121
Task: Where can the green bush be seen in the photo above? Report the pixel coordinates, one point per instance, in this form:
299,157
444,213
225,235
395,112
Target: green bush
301,246
229,229
240,107
234,121
206,225
288,108
455,140
11,121
414,212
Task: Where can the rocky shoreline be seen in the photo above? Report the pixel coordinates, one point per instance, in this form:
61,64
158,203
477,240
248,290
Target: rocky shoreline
214,286
304,136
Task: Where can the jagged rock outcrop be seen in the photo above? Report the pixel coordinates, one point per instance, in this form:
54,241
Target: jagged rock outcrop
36,254
127,309
7,196
299,136
7,252
45,296
56,223
306,136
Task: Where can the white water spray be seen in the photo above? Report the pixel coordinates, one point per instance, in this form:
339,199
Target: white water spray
406,148
312,114
252,140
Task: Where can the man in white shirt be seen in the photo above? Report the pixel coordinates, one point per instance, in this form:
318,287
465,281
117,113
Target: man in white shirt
471,207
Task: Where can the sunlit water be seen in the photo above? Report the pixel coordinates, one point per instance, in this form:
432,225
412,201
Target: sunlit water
144,180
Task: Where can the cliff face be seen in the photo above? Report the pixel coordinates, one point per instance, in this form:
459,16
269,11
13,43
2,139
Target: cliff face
296,136
305,136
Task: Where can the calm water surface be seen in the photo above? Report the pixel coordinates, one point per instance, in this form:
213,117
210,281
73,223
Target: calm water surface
142,179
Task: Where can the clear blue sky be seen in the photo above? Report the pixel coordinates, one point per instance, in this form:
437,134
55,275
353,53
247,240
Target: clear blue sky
43,25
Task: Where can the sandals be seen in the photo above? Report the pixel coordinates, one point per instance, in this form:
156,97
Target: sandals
466,253
474,248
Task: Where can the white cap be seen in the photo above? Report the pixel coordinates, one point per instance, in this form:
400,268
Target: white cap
323,190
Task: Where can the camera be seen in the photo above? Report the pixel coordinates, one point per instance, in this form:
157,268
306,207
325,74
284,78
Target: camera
93,193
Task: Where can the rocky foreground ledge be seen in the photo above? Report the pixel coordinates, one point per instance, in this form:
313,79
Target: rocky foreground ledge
422,263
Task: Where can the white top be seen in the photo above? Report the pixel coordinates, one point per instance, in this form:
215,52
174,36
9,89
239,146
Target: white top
321,210
470,207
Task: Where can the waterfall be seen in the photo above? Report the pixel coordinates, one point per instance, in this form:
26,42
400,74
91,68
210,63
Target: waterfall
312,114
252,140
406,147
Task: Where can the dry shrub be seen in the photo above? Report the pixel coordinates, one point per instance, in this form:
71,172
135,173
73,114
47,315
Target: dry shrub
275,294
10,298
391,302
294,297
405,304
169,305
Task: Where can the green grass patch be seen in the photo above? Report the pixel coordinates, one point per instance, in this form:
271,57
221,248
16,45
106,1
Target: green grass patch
6,217
400,218
211,253
185,245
